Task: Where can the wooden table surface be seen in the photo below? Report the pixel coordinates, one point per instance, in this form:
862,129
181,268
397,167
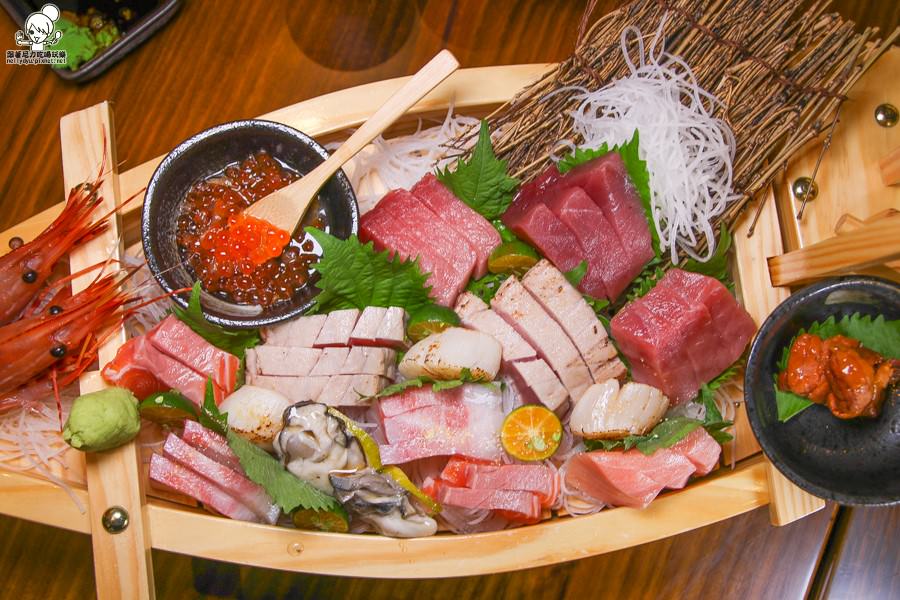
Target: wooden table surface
231,59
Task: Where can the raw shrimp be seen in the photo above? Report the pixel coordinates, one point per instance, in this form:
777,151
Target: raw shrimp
25,269
33,347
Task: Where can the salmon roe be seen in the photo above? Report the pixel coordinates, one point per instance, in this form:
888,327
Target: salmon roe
240,258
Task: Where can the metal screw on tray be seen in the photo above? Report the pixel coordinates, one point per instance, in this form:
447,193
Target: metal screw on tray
115,519
887,115
805,189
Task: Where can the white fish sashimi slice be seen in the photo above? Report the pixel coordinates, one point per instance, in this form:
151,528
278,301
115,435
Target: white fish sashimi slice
606,411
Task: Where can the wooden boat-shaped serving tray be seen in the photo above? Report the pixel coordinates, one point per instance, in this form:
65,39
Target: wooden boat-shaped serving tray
123,560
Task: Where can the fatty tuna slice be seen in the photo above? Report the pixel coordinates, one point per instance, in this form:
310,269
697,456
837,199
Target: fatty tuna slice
337,328
456,214
568,308
331,361
392,329
468,304
607,261
530,195
627,478
405,226
234,483
295,389
127,370
538,384
191,484
518,505
701,449
267,359
296,333
543,333
514,346
538,479
606,181
464,421
173,337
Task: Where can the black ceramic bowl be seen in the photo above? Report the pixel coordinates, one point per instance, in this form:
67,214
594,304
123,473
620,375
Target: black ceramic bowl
208,153
850,461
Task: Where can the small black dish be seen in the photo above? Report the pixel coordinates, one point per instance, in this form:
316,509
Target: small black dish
850,461
207,153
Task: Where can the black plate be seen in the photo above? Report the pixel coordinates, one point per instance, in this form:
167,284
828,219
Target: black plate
208,153
850,461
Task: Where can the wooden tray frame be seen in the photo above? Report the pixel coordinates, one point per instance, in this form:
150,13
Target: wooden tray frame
122,561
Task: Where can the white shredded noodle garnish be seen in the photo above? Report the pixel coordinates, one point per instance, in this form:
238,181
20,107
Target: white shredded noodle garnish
689,152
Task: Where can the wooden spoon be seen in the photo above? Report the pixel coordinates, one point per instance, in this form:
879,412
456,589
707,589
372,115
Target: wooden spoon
285,208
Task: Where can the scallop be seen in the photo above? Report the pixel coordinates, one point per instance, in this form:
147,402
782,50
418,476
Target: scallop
447,354
255,414
606,411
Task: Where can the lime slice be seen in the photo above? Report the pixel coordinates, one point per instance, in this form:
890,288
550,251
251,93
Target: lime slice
369,445
321,520
397,474
531,432
430,319
505,232
167,408
512,257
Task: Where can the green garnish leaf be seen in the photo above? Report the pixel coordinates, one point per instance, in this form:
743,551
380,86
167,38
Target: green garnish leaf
288,492
789,404
666,434
234,341
647,280
575,275
209,416
717,266
877,334
481,181
487,286
437,385
634,165
354,275
506,234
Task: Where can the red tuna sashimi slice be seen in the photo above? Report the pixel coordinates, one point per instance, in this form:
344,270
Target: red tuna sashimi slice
660,337
126,370
538,384
189,483
464,421
701,449
516,505
543,333
402,224
456,214
606,181
538,479
529,195
210,444
233,482
607,261
627,478
179,341
733,326
540,227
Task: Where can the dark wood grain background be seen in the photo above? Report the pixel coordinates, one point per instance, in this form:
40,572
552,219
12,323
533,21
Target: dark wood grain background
231,59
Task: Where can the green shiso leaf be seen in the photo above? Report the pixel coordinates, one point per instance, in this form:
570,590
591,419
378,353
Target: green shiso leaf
788,403
209,416
717,266
487,286
234,341
437,385
481,181
354,275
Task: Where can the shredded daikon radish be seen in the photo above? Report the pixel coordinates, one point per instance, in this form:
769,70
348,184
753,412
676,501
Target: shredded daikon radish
400,162
144,287
689,152
575,502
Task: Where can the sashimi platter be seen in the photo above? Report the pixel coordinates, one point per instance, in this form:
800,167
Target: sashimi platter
520,341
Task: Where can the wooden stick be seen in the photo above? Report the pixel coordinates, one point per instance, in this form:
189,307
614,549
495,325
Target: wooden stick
848,222
872,244
122,564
